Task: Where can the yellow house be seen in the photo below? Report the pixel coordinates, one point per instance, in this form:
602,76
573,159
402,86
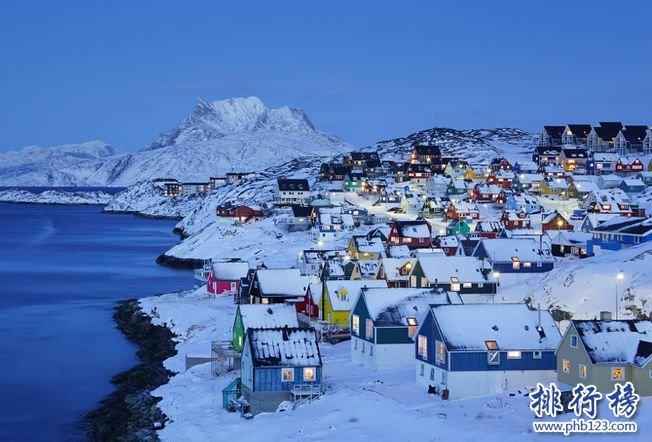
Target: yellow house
360,247
339,296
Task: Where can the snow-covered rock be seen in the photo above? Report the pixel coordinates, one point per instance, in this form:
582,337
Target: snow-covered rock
54,197
239,134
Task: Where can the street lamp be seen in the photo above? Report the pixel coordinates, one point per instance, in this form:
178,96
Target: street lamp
619,277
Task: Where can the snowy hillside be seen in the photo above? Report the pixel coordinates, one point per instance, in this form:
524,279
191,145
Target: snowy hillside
473,144
65,165
239,134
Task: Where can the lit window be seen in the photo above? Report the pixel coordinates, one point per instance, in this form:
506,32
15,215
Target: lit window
309,374
264,301
617,374
369,330
513,354
422,343
573,341
536,355
455,284
527,264
441,352
355,324
287,374
412,326
583,371
491,345
565,365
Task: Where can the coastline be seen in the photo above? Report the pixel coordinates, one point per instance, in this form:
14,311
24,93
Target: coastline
179,263
130,412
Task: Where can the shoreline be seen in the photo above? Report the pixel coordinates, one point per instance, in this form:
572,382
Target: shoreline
130,412
179,263
53,203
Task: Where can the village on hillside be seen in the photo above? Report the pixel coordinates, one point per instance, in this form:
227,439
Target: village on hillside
410,264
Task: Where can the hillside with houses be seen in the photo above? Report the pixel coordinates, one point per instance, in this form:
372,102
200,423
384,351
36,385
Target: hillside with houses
413,278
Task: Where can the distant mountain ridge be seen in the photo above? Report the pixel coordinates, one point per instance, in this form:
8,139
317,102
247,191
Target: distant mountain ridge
238,134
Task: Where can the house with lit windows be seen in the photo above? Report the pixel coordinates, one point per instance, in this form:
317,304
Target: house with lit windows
280,364
384,321
523,255
503,348
260,316
606,352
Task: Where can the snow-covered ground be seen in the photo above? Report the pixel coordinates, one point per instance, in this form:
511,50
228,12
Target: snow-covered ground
54,197
359,405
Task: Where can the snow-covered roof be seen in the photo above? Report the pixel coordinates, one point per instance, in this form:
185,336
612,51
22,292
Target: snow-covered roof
368,267
448,241
230,271
344,292
399,251
617,341
465,206
605,156
364,245
268,315
287,282
529,178
392,306
442,268
502,249
391,267
284,347
565,238
513,327
413,229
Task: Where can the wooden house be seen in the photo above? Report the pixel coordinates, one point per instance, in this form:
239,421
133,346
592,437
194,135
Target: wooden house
461,210
425,154
554,187
292,191
396,271
413,234
235,177
631,138
512,219
273,286
280,364
299,218
622,231
464,275
502,178
523,255
474,350
500,164
225,276
603,137
555,221
241,213
574,160
260,316
576,134
363,248
383,323
448,244
338,297
607,352
546,155
550,136
571,244
626,166
488,229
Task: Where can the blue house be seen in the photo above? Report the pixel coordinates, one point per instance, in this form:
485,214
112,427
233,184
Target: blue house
602,163
622,231
280,364
478,349
524,255
522,202
632,185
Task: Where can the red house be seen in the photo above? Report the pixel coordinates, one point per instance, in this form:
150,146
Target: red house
309,305
224,276
500,164
512,219
485,193
462,210
413,234
449,244
488,229
501,178
555,221
624,165
242,213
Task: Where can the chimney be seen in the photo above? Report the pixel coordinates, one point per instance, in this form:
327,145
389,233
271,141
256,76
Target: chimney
605,316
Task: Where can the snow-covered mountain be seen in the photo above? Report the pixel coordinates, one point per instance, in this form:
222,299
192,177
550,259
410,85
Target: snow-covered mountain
65,165
470,144
239,134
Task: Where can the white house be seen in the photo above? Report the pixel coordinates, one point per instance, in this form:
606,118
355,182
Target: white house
292,191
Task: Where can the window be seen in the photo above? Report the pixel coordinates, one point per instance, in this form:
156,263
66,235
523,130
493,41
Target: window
412,326
513,354
369,331
443,377
441,352
583,371
413,281
467,285
422,369
491,345
363,345
455,284
424,282
309,374
287,374
565,365
573,341
371,350
527,264
617,374
432,374
493,357
539,264
422,344
264,301
480,285
355,324
536,355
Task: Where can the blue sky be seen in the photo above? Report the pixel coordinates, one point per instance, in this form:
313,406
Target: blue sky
124,71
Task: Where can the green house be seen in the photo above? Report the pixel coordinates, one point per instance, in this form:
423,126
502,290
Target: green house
261,316
607,352
458,227
354,181
383,322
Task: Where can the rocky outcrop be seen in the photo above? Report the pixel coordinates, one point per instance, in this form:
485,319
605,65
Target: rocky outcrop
131,412
180,263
